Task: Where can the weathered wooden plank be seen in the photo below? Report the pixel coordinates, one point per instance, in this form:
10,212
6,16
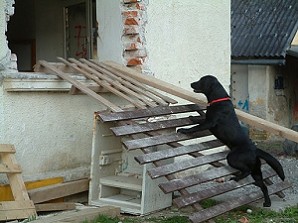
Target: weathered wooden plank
113,85
61,206
149,112
233,203
175,152
208,175
81,86
78,216
151,126
11,210
91,75
15,179
162,139
55,191
185,164
126,83
15,168
221,188
201,100
135,82
7,148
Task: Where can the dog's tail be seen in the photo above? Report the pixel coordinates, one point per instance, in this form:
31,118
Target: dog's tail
273,162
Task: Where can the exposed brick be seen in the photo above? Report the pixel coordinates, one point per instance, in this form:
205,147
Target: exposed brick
133,46
134,62
131,38
130,13
131,21
135,54
129,30
140,6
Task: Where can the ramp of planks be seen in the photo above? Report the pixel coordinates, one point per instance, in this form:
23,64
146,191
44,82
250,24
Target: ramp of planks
182,175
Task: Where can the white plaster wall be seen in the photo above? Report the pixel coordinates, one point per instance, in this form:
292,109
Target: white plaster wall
187,39
52,132
109,46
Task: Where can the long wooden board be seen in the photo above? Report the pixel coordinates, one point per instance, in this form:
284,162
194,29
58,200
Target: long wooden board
149,112
103,83
80,86
10,210
151,126
201,100
199,178
162,139
175,152
129,84
136,82
51,192
185,164
220,188
233,203
113,85
78,216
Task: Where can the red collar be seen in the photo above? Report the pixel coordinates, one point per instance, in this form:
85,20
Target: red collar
219,100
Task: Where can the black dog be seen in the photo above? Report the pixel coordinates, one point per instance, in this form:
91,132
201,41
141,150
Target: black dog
222,121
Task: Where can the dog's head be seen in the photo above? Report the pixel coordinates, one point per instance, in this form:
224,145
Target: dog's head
205,84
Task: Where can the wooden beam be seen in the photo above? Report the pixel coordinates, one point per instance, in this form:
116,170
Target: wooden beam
55,191
81,86
201,100
60,206
78,216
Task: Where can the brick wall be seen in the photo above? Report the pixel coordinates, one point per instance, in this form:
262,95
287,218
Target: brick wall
133,38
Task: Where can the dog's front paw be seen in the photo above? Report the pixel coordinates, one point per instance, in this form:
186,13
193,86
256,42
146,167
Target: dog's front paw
183,131
234,178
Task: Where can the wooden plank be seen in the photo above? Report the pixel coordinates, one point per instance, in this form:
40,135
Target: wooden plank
11,210
149,112
78,216
201,100
151,126
10,169
94,87
81,86
102,83
55,191
233,203
220,188
112,85
128,84
6,194
185,164
60,206
175,152
15,179
135,82
208,175
162,139
7,148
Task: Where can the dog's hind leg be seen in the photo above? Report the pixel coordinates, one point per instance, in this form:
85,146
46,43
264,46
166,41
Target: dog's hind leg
258,177
233,161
